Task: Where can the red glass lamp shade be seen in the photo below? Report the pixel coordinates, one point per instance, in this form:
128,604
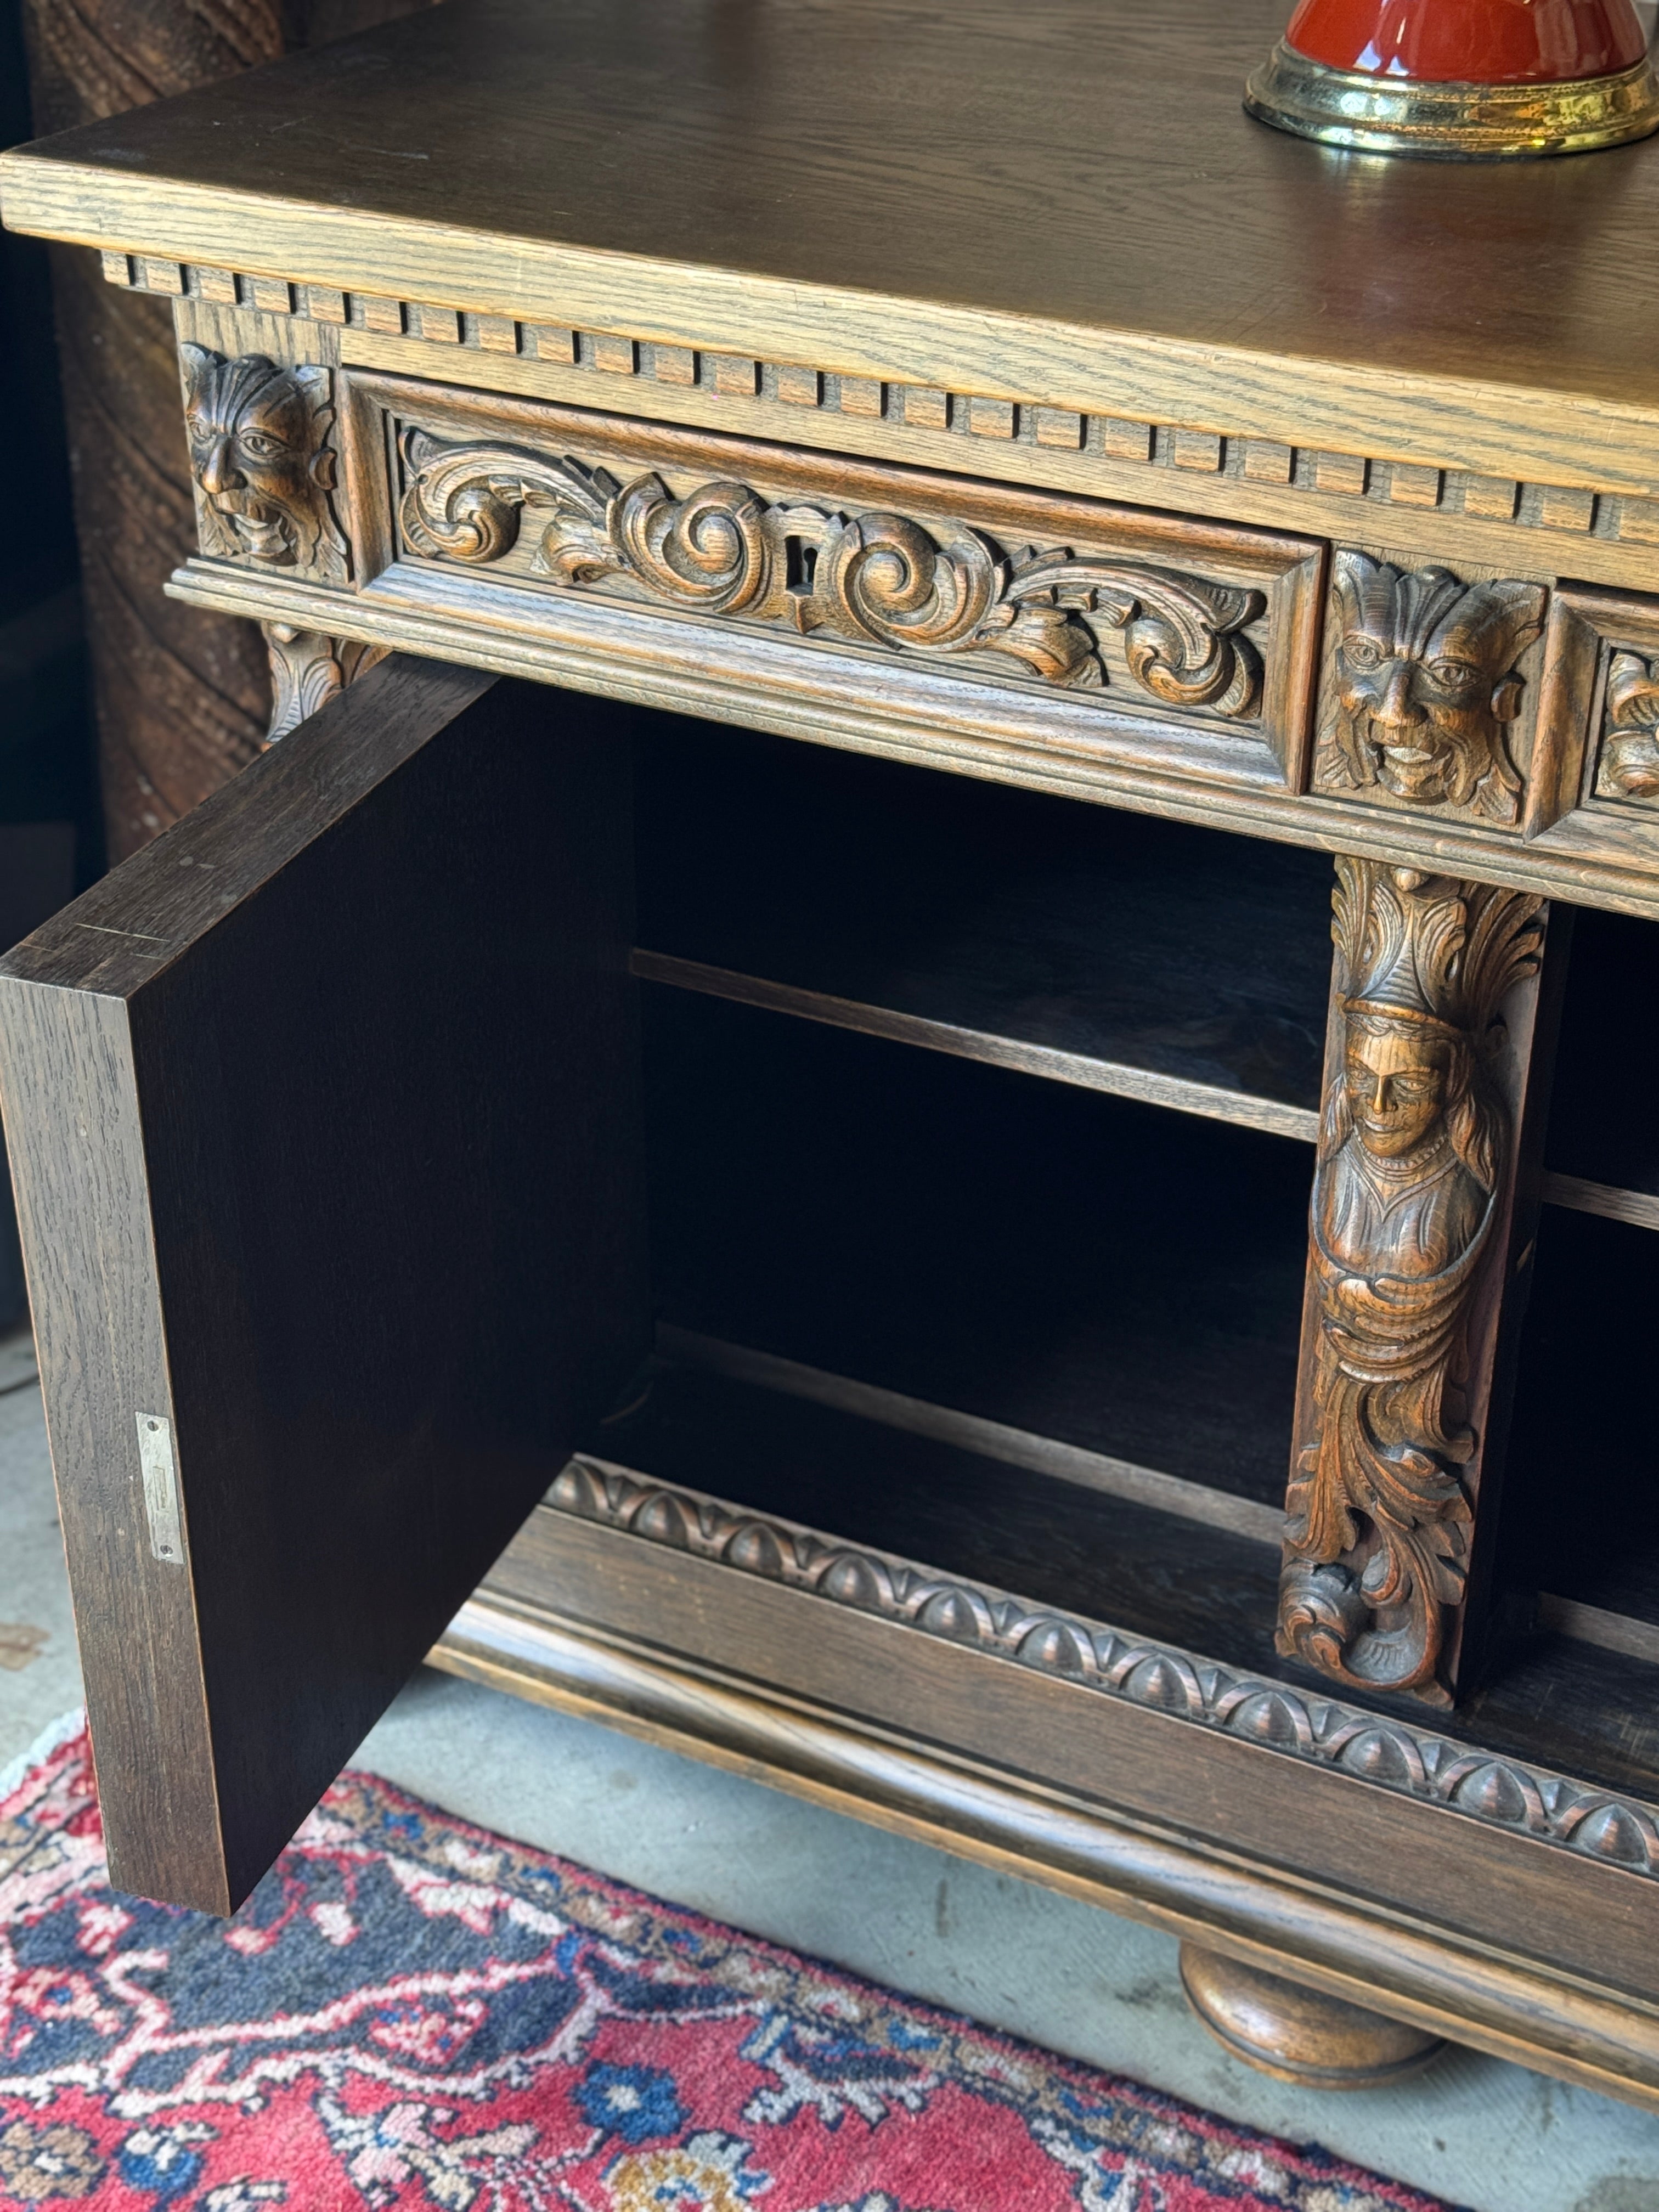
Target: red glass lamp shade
1471,41
1461,80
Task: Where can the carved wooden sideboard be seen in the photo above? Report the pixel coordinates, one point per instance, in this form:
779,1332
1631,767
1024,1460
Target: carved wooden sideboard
854,1195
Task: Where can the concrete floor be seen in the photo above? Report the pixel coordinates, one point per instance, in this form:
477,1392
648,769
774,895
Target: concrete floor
1474,2131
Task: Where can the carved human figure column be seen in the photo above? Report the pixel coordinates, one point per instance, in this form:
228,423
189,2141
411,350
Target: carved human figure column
1432,1019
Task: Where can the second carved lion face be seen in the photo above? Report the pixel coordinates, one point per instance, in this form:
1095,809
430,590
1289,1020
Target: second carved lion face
1426,684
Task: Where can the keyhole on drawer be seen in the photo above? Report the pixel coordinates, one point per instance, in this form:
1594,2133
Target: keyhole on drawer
801,560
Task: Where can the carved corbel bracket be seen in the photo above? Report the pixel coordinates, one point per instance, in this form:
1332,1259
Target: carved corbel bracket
1412,1197
876,578
308,669
261,463
1425,689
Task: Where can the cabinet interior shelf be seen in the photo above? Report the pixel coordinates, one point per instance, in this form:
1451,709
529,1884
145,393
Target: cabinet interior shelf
1130,955
863,1467
1639,1207
1120,1078
1256,1521
1184,968
1152,1086
1116,1477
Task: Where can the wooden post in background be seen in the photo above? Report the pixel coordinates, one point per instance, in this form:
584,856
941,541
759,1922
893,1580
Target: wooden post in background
181,696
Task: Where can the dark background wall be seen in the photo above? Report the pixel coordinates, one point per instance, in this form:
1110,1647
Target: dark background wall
120,710
46,750
50,830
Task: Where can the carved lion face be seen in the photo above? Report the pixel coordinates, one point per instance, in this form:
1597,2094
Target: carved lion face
257,453
1426,682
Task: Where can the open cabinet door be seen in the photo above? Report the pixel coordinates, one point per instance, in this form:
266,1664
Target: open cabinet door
323,1120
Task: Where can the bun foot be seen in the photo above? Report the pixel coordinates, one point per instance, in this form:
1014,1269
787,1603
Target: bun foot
1299,2034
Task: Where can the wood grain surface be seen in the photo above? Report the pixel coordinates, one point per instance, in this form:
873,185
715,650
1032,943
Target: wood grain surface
1116,224
296,1174
927,716
1431,510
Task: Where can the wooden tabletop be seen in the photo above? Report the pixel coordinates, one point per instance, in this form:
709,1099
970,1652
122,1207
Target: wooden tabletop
1064,193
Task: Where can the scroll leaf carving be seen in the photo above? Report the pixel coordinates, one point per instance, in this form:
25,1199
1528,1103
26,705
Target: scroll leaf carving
1426,684
1390,1753
308,669
876,578
1413,1154
1629,749
261,463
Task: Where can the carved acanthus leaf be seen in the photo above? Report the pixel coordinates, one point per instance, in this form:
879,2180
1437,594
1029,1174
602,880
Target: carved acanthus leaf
1385,1751
876,578
1412,1160
307,669
1629,766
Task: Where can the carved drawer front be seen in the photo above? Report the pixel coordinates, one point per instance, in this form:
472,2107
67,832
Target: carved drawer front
1125,618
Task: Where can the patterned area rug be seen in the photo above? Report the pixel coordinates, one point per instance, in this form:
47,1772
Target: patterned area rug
410,2012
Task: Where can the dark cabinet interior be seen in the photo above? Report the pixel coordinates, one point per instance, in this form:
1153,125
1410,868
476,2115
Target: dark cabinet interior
1587,1505
1026,1245
1118,1276
1144,946
980,1129
1603,1130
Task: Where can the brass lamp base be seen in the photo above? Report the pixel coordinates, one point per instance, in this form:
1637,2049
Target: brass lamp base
1451,122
